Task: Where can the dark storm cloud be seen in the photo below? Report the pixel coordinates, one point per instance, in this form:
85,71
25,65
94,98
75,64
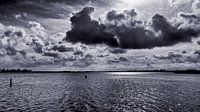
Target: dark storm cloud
171,34
112,15
129,32
136,36
89,31
30,7
7,2
116,16
69,2
84,2
11,51
198,42
18,12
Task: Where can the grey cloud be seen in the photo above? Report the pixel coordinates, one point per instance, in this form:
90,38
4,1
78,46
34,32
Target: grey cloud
125,15
62,48
44,8
194,58
197,52
198,42
23,53
123,59
189,21
172,34
169,56
79,53
113,61
38,45
117,51
70,2
180,58
126,31
11,51
196,6
112,15
9,40
135,35
83,63
88,31
51,54
7,2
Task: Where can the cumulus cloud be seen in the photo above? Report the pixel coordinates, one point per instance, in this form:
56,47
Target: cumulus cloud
117,51
194,57
196,6
62,48
175,57
44,8
51,54
169,56
16,40
116,35
37,29
197,52
198,42
89,31
69,2
10,38
179,2
125,30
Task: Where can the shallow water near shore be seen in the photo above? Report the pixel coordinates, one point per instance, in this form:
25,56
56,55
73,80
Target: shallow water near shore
100,92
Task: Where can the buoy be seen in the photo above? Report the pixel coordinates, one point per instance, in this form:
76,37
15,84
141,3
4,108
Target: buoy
85,76
11,82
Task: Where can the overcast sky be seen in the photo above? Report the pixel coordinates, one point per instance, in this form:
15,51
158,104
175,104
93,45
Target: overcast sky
100,35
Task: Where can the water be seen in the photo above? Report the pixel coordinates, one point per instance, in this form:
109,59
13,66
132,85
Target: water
100,92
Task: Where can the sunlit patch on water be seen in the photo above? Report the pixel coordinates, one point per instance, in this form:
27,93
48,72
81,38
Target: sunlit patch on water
121,75
128,73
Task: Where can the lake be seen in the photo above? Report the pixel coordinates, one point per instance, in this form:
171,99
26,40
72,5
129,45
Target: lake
100,92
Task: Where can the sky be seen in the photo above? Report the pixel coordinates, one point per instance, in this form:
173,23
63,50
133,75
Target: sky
99,35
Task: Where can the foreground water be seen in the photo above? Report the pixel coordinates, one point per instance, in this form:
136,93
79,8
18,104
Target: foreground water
100,92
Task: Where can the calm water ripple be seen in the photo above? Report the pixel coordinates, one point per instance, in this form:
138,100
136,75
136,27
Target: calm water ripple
101,92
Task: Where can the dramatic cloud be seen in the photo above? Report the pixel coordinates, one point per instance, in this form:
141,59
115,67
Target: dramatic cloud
118,51
198,42
18,12
128,31
6,2
62,48
169,56
153,35
179,2
89,31
51,54
10,38
69,2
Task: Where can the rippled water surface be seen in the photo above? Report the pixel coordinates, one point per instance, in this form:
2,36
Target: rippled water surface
100,92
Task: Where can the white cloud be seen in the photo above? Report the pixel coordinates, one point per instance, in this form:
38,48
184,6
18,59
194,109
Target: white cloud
179,2
196,6
36,46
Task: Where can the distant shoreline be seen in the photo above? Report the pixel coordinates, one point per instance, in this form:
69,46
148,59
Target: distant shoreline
164,71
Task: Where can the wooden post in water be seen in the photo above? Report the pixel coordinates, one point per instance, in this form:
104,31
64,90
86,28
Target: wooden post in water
11,82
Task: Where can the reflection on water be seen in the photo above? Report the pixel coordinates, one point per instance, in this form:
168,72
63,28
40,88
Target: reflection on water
104,92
